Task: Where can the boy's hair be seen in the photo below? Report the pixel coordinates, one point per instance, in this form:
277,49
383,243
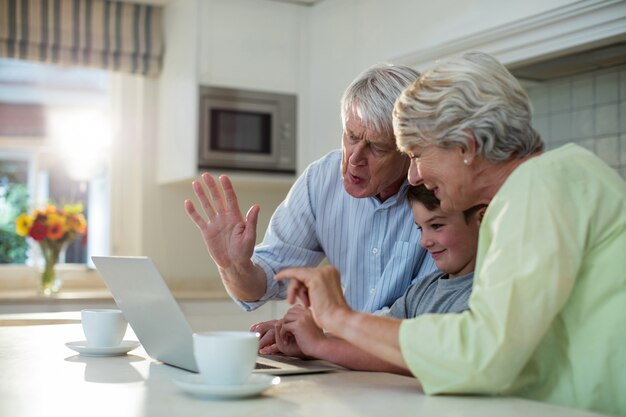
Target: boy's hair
424,196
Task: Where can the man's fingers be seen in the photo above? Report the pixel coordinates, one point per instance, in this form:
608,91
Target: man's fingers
258,327
265,330
202,197
251,221
229,194
216,195
193,214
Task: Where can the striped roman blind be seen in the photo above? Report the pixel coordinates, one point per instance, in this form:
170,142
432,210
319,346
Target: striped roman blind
104,34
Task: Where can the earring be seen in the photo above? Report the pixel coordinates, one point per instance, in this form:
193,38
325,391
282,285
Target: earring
465,161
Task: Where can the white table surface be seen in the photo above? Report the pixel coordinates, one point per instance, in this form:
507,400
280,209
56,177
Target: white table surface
41,377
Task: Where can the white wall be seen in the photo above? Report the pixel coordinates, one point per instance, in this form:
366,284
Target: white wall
231,43
148,217
347,36
314,51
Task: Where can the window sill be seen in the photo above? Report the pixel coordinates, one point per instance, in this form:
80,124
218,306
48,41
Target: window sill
19,285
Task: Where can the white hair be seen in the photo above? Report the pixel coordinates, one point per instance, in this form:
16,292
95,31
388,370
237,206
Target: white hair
471,93
372,94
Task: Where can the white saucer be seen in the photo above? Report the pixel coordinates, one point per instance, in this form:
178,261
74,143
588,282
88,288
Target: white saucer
256,384
123,348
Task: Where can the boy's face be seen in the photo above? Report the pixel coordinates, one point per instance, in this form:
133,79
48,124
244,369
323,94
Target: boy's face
451,241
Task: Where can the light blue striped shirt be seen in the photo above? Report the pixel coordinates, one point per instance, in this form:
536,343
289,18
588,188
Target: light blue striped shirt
374,245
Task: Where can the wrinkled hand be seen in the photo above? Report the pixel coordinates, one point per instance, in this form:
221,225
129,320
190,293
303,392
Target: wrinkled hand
297,334
317,288
228,236
267,339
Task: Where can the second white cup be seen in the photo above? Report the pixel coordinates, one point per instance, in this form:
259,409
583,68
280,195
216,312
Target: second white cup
103,327
225,357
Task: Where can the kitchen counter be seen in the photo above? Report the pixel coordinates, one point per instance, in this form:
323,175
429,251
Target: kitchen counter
42,377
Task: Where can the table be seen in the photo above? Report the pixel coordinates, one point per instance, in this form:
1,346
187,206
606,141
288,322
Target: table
41,377
34,319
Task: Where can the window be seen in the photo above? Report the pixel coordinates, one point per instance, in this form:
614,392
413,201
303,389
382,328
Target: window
13,201
55,146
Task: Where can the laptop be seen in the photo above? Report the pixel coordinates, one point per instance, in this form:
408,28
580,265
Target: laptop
141,293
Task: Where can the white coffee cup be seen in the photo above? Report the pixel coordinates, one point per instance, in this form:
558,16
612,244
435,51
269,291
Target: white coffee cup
103,327
225,357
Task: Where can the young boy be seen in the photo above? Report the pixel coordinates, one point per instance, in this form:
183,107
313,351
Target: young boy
451,240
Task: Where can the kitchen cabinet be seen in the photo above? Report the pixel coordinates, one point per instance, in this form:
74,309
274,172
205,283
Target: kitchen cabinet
236,44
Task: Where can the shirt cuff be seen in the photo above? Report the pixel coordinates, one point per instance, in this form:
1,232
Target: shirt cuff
273,291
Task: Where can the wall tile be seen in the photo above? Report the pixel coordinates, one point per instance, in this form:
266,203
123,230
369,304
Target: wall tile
606,91
606,119
542,125
561,127
539,99
622,116
555,145
582,123
588,109
560,96
587,144
607,148
582,92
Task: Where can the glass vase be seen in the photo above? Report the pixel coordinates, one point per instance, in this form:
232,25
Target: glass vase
50,279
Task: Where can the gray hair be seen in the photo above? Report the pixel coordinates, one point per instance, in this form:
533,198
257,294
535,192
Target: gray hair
372,94
471,93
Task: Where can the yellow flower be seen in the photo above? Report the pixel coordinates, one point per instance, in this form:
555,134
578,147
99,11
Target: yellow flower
76,222
22,224
56,218
73,208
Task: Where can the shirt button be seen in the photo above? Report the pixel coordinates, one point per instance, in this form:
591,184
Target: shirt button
375,251
372,290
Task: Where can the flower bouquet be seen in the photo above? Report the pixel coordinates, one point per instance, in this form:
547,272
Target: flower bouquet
53,229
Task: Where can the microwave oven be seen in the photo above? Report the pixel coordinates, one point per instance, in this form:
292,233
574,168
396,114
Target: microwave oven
247,130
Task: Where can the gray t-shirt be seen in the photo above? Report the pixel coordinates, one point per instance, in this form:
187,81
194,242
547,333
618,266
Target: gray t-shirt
435,293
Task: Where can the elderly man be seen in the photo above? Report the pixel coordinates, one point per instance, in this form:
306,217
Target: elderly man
349,206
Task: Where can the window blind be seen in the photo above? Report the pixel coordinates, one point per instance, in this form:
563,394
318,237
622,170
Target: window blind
105,34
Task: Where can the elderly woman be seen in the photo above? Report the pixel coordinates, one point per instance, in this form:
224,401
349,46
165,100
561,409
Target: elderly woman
548,306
